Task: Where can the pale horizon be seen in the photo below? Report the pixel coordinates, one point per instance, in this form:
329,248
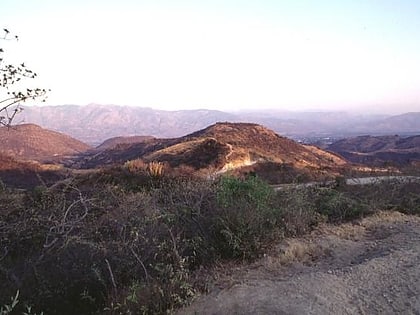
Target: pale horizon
358,111
355,56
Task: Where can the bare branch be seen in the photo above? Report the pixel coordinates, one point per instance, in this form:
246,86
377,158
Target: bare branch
112,276
141,263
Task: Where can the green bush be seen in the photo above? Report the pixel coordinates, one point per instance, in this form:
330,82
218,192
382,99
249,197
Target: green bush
337,207
246,218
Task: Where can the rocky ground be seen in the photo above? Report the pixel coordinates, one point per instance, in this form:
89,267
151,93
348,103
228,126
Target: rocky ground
367,267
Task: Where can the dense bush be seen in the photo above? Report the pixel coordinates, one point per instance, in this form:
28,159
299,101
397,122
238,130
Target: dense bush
336,206
245,219
134,244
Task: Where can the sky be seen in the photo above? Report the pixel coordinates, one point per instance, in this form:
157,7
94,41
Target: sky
357,55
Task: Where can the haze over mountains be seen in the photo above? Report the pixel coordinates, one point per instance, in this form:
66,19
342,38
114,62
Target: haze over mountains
95,123
207,139
239,148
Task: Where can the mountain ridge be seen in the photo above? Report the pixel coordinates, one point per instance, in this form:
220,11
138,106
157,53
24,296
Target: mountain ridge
379,150
95,123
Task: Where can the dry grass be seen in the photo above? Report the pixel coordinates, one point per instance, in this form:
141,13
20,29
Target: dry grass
178,148
135,166
155,169
293,250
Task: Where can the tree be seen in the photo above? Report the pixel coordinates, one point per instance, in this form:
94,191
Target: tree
12,94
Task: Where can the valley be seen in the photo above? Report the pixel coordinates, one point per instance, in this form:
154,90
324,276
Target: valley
94,123
209,157
101,229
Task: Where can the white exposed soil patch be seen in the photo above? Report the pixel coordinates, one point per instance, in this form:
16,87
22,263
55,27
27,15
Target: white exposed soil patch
368,267
231,165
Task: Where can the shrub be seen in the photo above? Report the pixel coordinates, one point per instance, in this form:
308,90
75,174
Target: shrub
337,207
246,219
124,243
299,211
135,166
155,169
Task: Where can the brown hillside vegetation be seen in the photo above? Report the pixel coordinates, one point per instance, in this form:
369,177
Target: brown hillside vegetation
31,142
27,174
223,147
113,142
379,150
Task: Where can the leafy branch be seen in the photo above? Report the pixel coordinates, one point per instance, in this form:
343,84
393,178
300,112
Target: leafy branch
10,75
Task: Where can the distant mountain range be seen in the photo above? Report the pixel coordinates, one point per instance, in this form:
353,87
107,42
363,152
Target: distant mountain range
239,148
95,123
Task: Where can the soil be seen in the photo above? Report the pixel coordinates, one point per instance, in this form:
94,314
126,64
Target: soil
367,267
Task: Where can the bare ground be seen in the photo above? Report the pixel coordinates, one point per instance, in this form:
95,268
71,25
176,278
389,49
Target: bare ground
367,267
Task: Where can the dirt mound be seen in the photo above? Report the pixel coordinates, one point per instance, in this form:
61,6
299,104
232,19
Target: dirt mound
369,267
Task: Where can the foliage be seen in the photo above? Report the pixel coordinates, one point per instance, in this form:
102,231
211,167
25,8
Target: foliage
246,219
135,166
134,245
7,309
12,95
337,207
155,169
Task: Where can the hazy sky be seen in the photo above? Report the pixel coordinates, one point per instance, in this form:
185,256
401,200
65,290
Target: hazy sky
228,55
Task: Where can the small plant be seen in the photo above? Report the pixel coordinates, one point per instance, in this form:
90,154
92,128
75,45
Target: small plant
8,308
155,169
14,301
135,166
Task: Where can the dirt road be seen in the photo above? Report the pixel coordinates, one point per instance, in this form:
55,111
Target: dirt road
368,267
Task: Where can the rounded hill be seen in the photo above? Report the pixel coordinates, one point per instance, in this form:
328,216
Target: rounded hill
225,147
32,142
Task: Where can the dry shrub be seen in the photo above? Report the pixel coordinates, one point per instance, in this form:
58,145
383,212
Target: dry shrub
155,169
124,243
135,166
299,214
300,250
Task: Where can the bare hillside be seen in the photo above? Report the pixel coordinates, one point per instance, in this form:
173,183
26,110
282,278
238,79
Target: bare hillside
379,150
31,142
222,147
113,142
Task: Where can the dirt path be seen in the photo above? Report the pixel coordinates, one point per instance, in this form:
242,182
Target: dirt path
369,267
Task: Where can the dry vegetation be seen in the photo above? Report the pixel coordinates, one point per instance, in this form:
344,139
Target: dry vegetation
380,150
31,142
136,240
235,147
